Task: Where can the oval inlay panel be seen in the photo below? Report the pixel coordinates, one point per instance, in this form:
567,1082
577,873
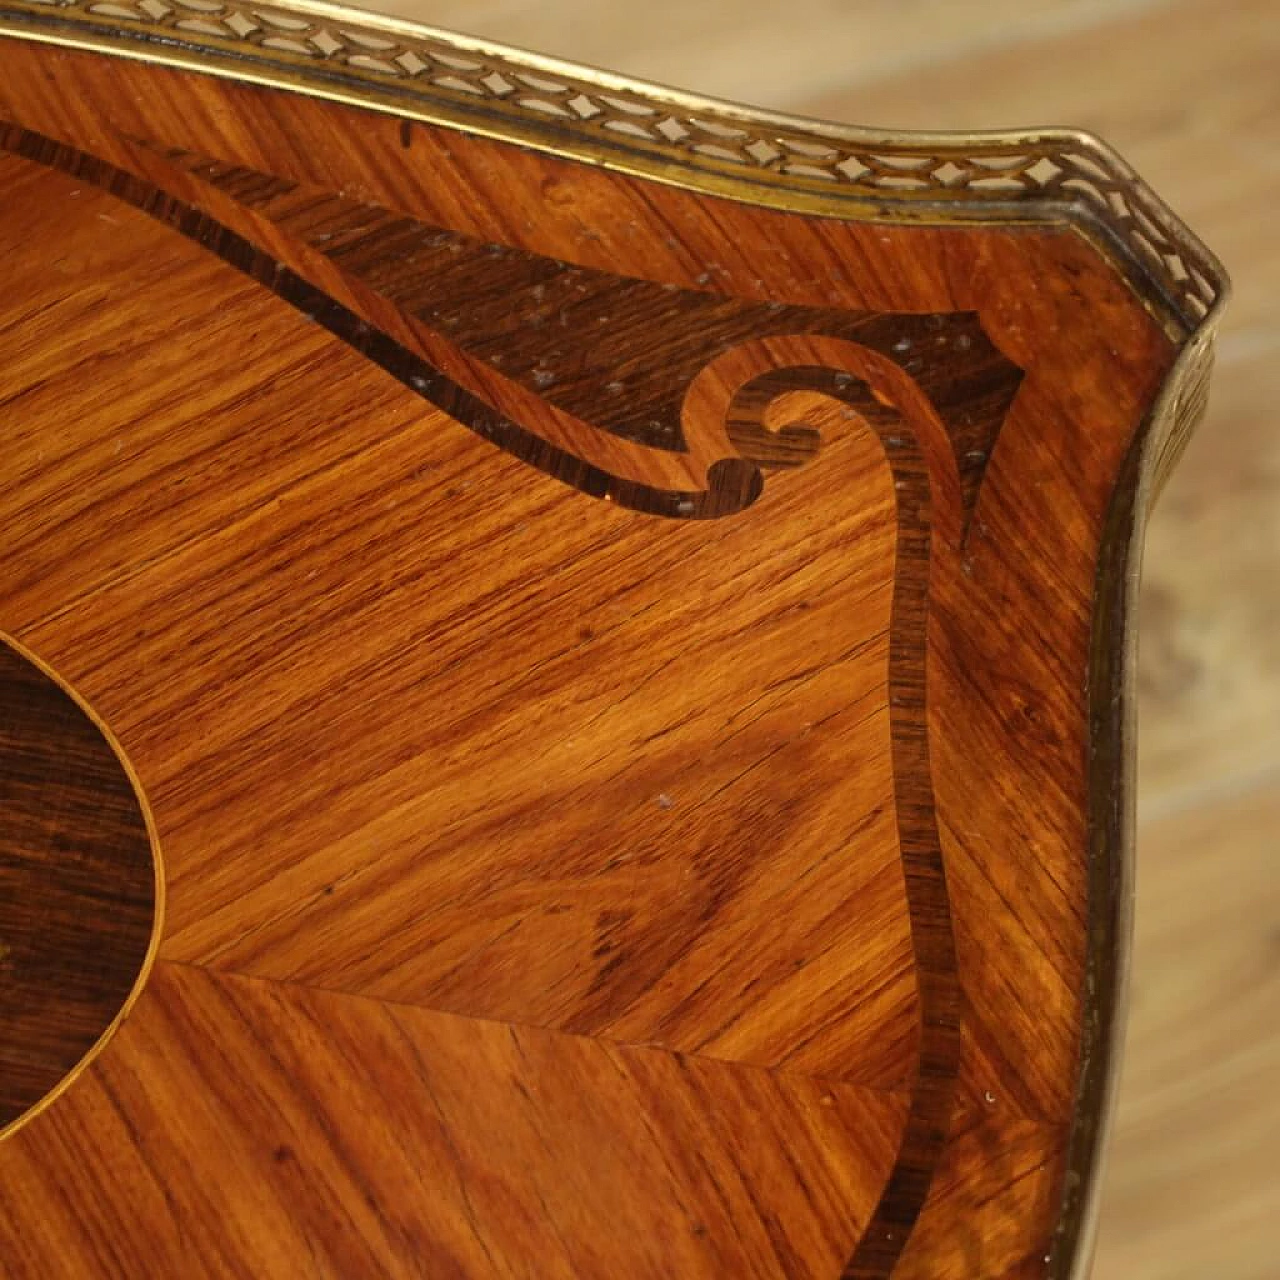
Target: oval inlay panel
77,885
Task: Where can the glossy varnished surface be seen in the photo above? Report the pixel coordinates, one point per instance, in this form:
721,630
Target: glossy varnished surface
1189,1189
562,879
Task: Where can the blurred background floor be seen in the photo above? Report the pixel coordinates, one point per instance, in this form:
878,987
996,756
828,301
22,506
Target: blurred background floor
1190,93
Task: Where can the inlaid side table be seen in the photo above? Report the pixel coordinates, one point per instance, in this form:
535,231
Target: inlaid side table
565,704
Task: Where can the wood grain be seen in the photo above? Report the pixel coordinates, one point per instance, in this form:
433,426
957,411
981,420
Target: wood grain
77,885
363,1136
1197,1122
733,869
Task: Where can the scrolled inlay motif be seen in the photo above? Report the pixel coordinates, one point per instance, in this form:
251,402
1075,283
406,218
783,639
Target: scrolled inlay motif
525,351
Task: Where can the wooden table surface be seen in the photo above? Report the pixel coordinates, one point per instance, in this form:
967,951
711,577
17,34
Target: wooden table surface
1189,94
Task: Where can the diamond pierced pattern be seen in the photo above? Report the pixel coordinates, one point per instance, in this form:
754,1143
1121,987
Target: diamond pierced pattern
1045,166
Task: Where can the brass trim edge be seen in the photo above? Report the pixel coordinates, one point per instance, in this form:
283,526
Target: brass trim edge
648,130
1112,769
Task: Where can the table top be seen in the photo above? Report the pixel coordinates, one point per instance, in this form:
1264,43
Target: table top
564,709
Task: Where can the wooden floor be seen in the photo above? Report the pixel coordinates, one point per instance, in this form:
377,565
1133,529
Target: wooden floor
1190,94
